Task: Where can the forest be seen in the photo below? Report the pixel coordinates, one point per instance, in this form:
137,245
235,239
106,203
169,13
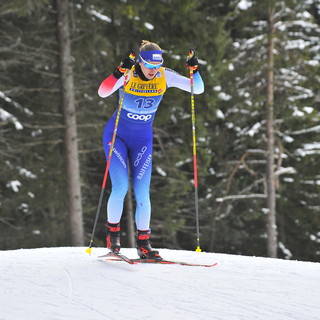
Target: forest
257,123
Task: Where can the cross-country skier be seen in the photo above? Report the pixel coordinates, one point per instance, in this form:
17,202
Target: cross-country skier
147,82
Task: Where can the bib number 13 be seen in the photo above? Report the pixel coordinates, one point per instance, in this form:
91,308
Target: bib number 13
144,103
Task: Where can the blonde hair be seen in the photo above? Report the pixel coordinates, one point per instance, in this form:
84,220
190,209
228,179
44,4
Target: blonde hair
148,46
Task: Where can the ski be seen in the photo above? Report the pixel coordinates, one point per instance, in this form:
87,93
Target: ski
182,263
120,257
117,256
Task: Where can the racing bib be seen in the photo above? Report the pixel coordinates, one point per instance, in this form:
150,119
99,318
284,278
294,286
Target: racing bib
142,98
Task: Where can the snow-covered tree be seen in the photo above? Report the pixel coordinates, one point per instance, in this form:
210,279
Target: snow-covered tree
243,104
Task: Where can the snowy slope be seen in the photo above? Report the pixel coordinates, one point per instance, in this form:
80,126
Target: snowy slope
67,283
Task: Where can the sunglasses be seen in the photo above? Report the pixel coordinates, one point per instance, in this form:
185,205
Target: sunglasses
151,65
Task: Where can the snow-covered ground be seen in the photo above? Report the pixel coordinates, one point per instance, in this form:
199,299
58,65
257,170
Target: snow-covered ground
67,283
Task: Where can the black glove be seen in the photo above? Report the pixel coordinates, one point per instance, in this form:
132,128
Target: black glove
125,64
192,61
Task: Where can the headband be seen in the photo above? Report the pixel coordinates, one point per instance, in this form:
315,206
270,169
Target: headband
151,56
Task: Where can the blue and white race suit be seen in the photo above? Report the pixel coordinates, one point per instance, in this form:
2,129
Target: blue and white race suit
133,144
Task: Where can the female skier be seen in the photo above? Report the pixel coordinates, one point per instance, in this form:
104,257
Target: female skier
147,82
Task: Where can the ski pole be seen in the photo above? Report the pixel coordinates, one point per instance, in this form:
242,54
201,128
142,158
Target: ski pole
126,75
194,152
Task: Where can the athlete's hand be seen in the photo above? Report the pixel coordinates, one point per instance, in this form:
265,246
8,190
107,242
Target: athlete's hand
125,64
192,61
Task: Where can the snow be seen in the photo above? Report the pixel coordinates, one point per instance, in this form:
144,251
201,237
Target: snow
308,149
149,26
99,15
161,171
67,283
220,114
15,104
254,129
14,185
6,116
224,96
27,173
303,131
244,5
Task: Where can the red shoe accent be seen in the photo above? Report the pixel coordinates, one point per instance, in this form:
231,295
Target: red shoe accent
143,237
143,234
144,250
114,229
113,237
108,242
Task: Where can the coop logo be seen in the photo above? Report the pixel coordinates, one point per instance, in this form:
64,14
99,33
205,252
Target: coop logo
140,117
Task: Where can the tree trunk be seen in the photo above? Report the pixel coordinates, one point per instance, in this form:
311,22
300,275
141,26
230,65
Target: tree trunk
70,138
271,192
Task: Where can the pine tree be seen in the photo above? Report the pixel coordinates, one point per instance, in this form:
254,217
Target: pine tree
243,103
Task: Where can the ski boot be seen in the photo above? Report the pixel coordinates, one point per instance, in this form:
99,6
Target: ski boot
145,251
113,237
